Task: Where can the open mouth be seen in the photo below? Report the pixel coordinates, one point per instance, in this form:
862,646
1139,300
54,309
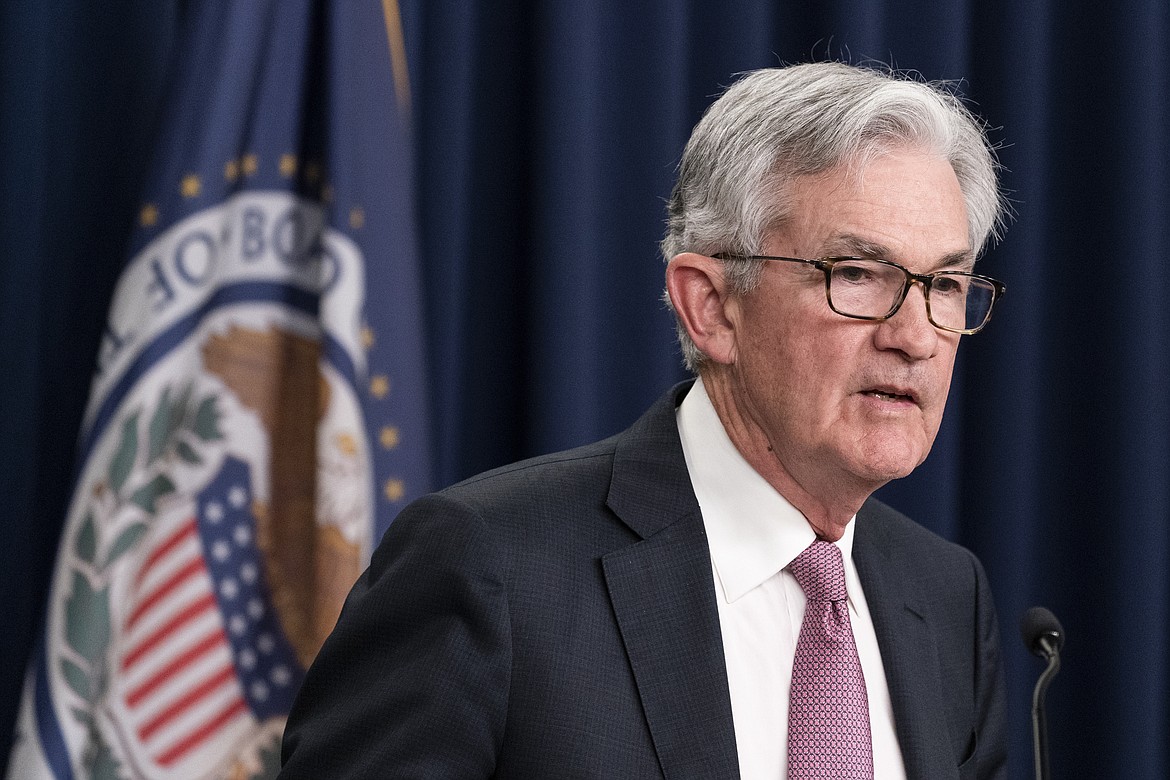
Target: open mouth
890,395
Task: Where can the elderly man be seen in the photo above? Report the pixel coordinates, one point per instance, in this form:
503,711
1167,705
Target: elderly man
713,593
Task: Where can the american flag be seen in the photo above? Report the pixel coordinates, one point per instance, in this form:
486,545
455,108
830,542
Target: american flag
203,650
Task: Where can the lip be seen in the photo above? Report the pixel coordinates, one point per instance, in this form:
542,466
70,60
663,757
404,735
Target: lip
893,393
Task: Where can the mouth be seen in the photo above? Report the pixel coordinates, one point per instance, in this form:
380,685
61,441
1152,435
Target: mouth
892,394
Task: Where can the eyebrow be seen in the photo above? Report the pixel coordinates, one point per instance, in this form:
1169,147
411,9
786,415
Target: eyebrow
851,244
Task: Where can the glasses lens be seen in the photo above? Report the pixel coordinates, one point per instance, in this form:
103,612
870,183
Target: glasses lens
960,302
865,288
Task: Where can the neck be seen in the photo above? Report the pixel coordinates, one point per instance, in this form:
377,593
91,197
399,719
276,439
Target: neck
827,501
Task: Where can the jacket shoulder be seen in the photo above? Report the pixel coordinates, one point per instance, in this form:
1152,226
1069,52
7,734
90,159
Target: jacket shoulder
881,522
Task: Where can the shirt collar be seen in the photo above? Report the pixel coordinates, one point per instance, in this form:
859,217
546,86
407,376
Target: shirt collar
752,530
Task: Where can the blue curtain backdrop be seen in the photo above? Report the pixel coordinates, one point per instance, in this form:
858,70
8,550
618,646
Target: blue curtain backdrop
546,136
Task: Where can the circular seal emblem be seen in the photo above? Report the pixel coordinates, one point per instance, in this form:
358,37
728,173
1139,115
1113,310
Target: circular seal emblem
222,510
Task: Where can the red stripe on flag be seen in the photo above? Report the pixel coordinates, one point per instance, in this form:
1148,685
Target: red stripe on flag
186,702
172,582
208,643
182,533
192,740
188,613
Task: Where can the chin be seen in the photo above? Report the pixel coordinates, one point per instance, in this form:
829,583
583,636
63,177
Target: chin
885,475
888,463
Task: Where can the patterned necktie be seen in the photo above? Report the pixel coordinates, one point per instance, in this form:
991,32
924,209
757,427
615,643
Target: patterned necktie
828,715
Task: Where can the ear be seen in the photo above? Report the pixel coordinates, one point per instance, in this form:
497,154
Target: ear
699,294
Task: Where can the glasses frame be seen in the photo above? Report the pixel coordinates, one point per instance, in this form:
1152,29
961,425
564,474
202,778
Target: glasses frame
826,264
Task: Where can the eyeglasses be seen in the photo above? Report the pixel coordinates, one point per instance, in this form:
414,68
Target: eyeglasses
871,289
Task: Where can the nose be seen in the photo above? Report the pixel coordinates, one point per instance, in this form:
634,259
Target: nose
909,331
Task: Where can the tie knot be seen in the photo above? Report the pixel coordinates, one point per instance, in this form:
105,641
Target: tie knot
820,572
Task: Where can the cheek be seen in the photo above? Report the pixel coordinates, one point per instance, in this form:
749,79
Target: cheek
800,369
941,382
779,385
809,393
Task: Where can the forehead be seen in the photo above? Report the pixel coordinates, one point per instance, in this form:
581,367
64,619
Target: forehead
906,205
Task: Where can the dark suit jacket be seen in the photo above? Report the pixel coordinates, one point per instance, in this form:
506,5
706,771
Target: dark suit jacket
556,618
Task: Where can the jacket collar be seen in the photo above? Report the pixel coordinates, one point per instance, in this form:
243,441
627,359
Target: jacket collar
650,487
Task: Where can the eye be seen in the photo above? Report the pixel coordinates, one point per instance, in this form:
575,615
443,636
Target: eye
948,284
855,272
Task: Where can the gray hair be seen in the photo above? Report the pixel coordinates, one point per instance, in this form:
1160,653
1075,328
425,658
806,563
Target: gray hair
777,124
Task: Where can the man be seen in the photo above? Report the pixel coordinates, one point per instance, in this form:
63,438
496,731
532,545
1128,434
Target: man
637,608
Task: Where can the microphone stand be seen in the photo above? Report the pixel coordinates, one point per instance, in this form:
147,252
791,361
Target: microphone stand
1039,722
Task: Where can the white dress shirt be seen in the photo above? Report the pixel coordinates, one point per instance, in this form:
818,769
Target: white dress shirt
754,532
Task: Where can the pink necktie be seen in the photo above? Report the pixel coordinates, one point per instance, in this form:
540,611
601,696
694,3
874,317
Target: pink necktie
828,715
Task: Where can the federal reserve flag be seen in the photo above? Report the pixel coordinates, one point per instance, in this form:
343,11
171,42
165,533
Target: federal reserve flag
257,414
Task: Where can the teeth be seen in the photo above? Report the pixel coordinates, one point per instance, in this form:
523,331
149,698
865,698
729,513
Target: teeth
884,396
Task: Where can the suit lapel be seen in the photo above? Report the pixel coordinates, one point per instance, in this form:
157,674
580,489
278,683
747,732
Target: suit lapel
670,626
663,595
909,656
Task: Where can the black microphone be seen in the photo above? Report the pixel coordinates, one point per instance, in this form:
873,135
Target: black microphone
1043,637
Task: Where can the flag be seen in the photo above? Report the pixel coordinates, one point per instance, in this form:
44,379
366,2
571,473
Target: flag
257,414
